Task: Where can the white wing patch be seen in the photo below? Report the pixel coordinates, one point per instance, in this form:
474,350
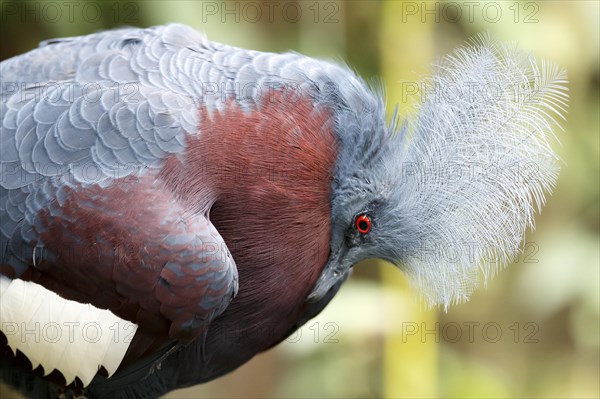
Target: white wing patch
74,338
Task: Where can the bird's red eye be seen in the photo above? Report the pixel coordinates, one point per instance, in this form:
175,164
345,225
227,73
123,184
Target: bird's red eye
363,224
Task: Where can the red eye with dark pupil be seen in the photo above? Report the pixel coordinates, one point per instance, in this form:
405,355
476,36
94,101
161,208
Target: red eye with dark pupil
363,224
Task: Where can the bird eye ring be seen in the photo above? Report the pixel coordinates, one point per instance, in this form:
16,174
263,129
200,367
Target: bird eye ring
363,224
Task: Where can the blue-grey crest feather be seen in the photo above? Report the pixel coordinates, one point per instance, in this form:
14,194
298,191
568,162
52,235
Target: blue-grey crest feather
473,168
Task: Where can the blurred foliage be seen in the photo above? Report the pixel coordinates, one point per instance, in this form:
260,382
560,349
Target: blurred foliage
364,344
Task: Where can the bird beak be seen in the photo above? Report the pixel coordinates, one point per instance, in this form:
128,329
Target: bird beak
335,270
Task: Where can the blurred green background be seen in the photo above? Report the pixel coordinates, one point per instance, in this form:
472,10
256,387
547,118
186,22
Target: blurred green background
535,331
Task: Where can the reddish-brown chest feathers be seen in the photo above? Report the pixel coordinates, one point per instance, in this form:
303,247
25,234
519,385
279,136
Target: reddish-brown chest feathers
270,171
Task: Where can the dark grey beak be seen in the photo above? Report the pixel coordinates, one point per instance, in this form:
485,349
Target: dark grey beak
335,270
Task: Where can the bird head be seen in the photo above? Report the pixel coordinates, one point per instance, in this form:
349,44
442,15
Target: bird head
448,194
